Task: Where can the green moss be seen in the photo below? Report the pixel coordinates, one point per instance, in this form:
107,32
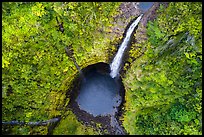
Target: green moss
69,125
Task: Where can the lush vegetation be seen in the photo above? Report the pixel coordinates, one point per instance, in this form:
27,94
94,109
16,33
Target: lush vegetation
36,72
69,125
164,86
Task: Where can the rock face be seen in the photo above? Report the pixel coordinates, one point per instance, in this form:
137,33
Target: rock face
148,16
128,11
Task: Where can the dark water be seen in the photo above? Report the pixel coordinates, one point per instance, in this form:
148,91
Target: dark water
144,6
99,94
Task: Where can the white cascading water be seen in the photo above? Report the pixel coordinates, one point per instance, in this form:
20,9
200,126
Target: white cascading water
115,65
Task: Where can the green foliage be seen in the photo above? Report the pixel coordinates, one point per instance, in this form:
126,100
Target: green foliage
154,33
163,87
181,17
69,125
180,114
34,62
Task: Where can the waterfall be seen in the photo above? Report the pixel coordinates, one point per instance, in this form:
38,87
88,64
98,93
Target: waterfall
115,65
